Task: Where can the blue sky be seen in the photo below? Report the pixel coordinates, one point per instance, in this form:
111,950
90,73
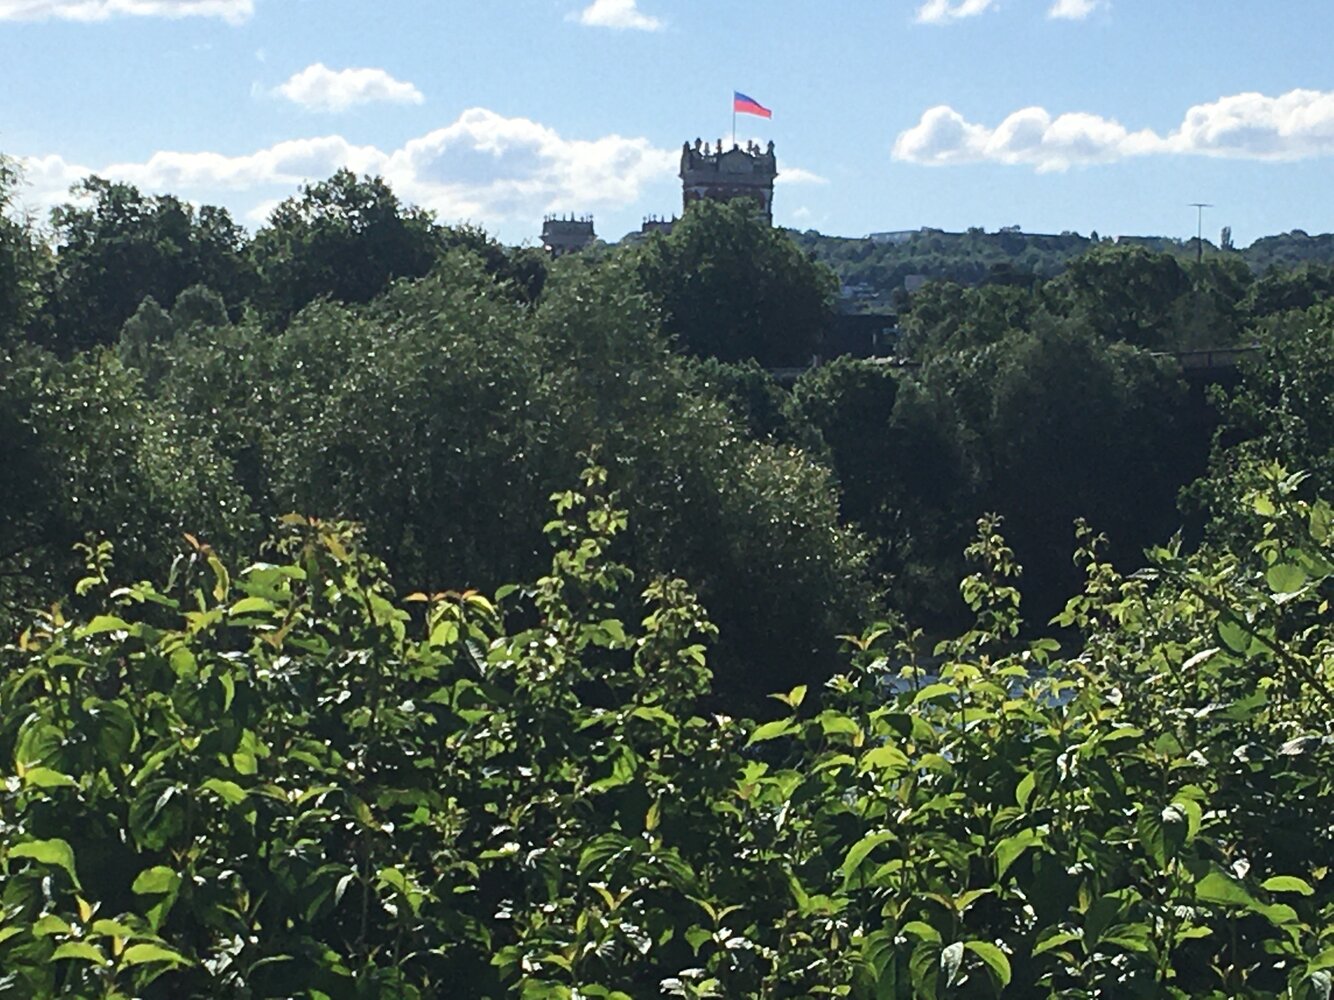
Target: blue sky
1107,115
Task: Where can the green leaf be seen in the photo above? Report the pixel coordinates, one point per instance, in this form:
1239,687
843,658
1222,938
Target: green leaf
1324,960
103,623
1287,883
1024,792
922,930
252,605
932,691
80,950
1224,891
49,852
229,791
884,757
1010,849
1055,941
858,852
158,879
143,954
1285,578
1234,636
994,958
773,730
44,777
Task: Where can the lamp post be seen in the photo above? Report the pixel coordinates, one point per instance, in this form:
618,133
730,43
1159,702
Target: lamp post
1199,207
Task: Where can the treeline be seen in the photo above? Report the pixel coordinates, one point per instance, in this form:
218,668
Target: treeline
977,257
168,373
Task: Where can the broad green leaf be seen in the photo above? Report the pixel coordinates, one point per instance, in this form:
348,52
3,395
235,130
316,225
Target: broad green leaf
157,879
994,958
1224,891
103,623
142,954
1234,636
937,690
1324,960
1287,883
921,929
44,777
773,730
858,852
81,951
49,852
1024,792
1285,578
1010,849
884,757
252,605
229,791
1054,941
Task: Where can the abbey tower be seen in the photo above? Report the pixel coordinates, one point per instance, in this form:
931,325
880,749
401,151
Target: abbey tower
724,175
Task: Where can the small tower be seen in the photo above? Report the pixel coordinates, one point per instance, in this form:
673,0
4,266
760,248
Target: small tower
562,235
723,175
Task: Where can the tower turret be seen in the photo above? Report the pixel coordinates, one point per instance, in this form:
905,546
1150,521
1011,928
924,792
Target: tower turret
722,175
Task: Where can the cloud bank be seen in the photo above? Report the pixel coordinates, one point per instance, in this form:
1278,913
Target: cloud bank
319,88
482,166
232,11
1297,125
619,14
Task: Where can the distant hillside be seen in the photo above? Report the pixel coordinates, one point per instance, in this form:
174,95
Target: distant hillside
880,264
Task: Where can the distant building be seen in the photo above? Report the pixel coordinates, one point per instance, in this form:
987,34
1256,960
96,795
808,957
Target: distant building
566,235
657,224
725,175
897,237
652,224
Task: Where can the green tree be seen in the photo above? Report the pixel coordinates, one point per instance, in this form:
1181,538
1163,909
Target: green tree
92,457
731,287
123,246
345,238
1125,293
24,260
1279,411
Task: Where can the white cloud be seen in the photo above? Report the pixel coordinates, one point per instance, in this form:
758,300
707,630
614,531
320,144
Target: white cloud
319,88
483,167
1074,10
798,175
944,11
1296,125
233,11
616,14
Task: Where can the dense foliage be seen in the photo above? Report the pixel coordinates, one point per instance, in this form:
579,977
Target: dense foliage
281,780
284,777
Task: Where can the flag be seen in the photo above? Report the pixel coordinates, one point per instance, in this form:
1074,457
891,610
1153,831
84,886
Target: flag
749,106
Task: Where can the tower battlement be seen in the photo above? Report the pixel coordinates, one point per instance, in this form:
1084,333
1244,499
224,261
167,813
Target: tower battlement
562,235
726,174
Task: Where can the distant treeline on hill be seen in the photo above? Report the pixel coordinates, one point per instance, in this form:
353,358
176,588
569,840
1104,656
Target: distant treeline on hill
882,263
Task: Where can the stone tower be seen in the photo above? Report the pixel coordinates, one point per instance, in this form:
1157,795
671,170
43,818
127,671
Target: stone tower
566,235
727,174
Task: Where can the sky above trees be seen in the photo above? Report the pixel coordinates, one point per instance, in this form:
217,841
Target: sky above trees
1107,115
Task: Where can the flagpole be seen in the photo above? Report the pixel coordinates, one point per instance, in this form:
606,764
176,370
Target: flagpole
734,121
